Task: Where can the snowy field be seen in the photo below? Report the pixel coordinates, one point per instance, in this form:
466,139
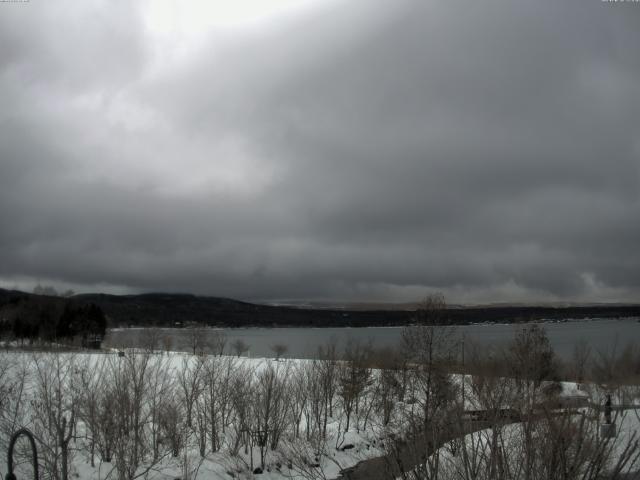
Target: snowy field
96,391
173,415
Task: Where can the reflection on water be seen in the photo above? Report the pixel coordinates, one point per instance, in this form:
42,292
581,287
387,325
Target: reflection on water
304,342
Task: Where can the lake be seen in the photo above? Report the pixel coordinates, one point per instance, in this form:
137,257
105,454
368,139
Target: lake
601,335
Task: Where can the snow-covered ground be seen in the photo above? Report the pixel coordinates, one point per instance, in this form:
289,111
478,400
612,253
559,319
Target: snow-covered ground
29,380
331,457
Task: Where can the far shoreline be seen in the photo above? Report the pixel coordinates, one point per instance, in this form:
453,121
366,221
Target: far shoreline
317,327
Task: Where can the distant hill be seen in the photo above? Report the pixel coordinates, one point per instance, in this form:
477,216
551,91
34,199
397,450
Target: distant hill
166,309
169,309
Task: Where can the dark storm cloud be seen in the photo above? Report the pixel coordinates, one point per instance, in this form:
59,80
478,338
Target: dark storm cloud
367,150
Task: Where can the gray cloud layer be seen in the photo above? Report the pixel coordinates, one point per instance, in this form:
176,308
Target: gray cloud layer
363,150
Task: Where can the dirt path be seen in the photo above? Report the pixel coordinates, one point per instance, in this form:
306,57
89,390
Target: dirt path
406,457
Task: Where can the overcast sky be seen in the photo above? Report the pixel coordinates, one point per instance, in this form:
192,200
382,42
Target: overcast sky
322,149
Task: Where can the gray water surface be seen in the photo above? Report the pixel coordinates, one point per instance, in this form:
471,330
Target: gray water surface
601,335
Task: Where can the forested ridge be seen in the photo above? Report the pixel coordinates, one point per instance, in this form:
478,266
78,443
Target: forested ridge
169,310
31,317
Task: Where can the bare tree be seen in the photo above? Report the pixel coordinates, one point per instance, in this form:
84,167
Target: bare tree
387,387
91,379
172,426
218,376
55,411
239,347
167,343
580,360
242,394
197,340
218,341
151,339
328,378
299,391
354,376
430,348
270,406
532,360
489,397
201,423
105,430
614,368
316,405
160,378
279,349
130,390
190,384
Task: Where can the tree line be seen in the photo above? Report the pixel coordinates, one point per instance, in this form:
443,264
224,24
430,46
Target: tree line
47,319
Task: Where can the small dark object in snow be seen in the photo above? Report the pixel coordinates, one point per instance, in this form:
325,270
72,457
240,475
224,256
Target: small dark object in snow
607,410
257,471
348,446
231,474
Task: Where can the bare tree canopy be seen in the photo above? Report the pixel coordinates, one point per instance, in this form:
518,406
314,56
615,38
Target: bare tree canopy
279,349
